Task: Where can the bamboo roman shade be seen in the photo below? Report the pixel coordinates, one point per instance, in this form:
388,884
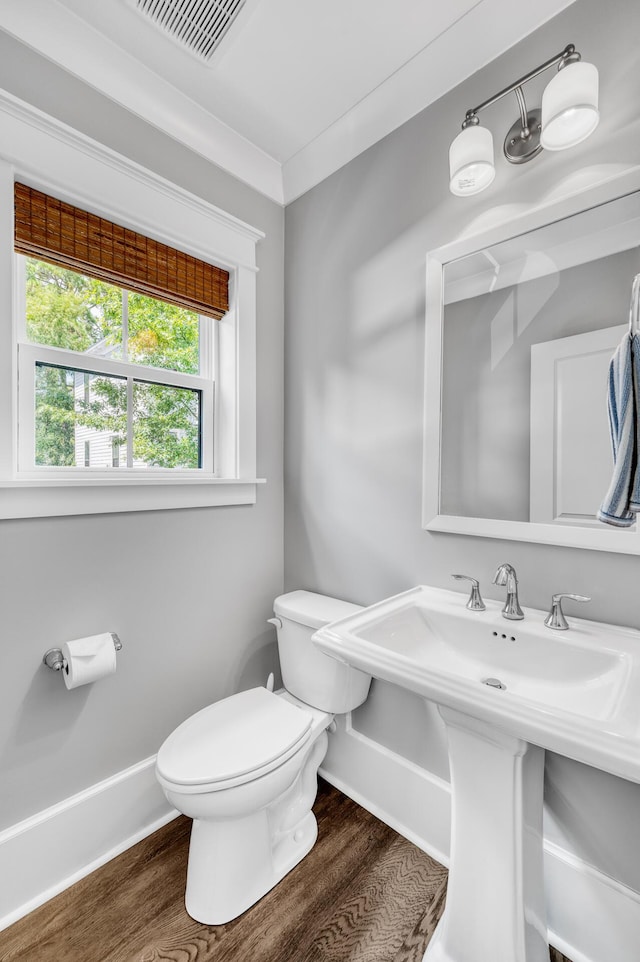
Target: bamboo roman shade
52,230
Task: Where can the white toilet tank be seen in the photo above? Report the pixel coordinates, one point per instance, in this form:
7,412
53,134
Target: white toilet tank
309,674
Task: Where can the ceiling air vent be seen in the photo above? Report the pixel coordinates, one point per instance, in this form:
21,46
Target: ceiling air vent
197,25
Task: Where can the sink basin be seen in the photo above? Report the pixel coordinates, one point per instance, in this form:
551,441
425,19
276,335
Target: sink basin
576,692
527,658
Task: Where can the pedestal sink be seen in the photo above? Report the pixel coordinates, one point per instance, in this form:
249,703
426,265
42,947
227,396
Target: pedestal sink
506,691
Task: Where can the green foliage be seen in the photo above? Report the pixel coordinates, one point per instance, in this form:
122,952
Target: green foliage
104,408
55,418
170,437
163,335
69,310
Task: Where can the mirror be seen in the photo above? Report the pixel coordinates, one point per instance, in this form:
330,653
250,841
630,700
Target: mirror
521,324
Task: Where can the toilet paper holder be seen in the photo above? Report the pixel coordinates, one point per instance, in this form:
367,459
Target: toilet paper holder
54,659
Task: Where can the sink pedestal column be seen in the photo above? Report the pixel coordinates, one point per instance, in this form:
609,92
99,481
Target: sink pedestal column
495,896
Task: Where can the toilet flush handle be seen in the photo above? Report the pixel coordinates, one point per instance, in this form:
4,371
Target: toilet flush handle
275,622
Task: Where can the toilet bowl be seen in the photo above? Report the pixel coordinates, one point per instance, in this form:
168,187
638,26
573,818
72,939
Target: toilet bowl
245,768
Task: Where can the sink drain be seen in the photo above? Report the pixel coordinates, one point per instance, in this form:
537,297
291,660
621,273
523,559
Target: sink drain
494,683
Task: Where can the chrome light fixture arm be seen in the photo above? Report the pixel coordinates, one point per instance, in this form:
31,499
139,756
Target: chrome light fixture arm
568,55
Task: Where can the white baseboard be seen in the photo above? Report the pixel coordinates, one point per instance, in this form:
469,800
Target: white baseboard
591,917
395,790
46,853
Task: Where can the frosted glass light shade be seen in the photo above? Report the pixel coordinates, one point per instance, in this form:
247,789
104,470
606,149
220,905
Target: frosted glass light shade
471,167
570,106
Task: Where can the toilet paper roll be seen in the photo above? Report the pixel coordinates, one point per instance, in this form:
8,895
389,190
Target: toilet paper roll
88,659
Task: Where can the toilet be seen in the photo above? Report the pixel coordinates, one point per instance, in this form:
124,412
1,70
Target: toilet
245,768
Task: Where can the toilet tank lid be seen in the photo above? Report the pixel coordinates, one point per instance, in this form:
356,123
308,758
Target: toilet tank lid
313,610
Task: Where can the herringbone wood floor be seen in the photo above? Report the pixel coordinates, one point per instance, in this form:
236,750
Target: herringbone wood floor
363,894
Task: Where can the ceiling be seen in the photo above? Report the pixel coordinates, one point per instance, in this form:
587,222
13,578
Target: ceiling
296,88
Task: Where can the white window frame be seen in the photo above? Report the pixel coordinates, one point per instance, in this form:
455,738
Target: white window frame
51,157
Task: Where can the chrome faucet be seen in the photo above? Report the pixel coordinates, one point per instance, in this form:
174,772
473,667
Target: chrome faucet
506,575
556,619
475,602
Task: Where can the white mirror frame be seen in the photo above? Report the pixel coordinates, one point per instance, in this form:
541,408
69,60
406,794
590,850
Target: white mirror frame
618,540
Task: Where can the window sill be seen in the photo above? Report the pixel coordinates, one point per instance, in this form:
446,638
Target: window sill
39,497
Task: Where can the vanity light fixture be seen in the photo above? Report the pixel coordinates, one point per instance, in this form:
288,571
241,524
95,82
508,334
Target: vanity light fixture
568,115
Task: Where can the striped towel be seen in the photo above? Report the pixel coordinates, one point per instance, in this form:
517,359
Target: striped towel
622,499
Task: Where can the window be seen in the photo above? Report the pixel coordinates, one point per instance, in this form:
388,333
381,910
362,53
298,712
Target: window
99,359
112,369
98,389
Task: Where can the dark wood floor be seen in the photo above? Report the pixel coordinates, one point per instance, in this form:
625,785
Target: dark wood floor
363,894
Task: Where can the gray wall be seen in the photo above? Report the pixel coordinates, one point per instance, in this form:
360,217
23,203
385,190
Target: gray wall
187,591
354,295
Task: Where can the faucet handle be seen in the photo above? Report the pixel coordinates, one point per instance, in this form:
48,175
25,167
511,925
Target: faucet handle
475,602
556,619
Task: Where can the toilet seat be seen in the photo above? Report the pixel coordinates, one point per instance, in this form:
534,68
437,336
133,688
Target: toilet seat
232,741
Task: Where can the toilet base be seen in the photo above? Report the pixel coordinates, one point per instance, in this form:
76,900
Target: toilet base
232,864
